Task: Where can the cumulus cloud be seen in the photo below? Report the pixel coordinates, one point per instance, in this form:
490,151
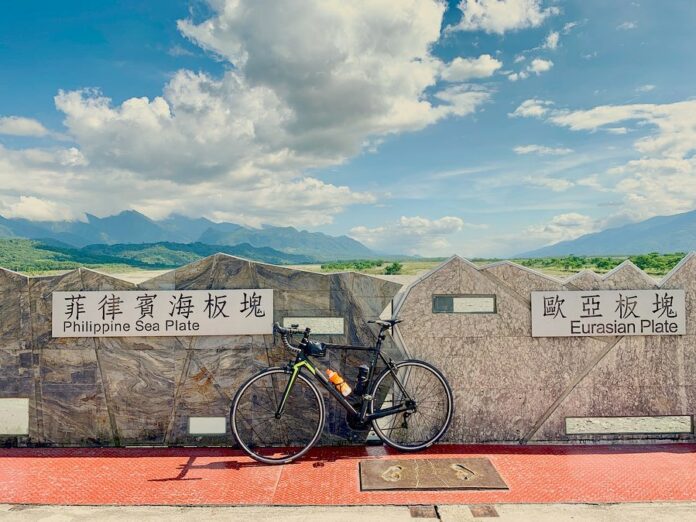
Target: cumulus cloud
542,150
500,16
462,69
18,126
35,209
414,235
539,65
662,180
562,227
551,41
533,108
239,145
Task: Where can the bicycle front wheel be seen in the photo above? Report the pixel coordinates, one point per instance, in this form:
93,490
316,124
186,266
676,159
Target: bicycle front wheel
266,437
425,391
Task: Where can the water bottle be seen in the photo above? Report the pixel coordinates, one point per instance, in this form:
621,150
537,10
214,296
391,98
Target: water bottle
361,382
338,382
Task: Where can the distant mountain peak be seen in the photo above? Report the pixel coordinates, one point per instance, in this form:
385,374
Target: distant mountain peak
133,227
665,234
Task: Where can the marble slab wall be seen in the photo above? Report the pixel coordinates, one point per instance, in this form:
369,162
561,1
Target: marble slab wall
142,390
508,386
512,387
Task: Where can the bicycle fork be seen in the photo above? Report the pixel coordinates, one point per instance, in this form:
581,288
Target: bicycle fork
288,388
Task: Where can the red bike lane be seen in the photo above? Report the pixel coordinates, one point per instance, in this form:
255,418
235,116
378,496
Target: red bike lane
330,476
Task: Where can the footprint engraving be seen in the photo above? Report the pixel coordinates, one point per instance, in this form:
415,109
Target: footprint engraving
463,473
392,474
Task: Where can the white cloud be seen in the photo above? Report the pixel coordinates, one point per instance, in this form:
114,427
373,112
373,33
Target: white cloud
551,41
500,16
35,209
461,100
239,145
645,88
18,126
462,69
542,150
562,227
663,179
627,26
533,108
539,65
414,235
569,27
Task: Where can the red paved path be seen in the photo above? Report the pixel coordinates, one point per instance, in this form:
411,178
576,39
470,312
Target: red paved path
178,476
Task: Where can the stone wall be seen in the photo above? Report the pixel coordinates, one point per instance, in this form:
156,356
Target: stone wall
142,390
511,387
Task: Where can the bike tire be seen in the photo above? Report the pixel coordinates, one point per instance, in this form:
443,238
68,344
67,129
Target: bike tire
420,435
254,405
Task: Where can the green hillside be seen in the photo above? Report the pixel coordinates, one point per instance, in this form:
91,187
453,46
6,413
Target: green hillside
33,256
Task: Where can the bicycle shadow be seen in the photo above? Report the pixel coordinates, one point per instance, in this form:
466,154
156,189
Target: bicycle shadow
318,457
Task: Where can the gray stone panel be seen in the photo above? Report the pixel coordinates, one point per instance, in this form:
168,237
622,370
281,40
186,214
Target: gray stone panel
508,386
142,390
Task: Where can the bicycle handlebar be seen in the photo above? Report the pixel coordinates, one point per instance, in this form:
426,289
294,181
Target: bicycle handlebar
284,332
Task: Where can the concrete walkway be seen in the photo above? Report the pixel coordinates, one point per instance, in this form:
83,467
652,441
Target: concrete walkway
663,512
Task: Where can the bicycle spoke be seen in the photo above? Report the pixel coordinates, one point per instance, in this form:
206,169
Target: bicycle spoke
414,429
277,439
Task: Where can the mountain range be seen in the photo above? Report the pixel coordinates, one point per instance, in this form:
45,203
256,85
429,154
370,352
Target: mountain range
132,227
675,233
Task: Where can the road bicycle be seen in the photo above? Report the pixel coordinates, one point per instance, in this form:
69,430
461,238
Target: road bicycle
279,414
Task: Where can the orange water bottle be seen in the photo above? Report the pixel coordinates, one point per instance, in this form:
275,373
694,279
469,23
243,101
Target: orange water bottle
338,382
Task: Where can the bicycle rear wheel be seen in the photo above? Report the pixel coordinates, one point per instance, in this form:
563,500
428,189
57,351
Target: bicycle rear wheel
273,440
429,414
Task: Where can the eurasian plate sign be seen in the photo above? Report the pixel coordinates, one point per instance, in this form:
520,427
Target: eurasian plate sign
162,313
608,312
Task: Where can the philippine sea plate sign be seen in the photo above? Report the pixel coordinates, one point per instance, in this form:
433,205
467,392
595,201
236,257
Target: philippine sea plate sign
162,313
468,473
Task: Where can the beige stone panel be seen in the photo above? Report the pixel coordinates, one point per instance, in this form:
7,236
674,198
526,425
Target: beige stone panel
627,276
584,280
497,414
522,280
684,277
514,362
620,425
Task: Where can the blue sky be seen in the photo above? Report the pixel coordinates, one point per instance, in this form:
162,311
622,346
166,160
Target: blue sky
480,127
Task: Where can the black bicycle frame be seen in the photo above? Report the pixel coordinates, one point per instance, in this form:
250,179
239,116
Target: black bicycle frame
302,360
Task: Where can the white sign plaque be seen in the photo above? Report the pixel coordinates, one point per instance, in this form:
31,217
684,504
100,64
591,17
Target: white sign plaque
162,313
608,312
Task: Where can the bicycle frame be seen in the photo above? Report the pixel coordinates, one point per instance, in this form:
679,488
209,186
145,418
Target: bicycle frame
303,361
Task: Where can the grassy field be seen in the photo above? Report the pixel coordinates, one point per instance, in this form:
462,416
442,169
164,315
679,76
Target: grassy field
36,257
654,264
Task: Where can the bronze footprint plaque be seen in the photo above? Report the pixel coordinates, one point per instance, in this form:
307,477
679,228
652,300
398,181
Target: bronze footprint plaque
471,473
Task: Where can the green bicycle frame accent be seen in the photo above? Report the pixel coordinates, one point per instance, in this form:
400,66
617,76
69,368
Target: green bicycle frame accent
295,370
361,413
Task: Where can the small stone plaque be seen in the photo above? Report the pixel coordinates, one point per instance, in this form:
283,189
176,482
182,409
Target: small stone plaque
471,473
